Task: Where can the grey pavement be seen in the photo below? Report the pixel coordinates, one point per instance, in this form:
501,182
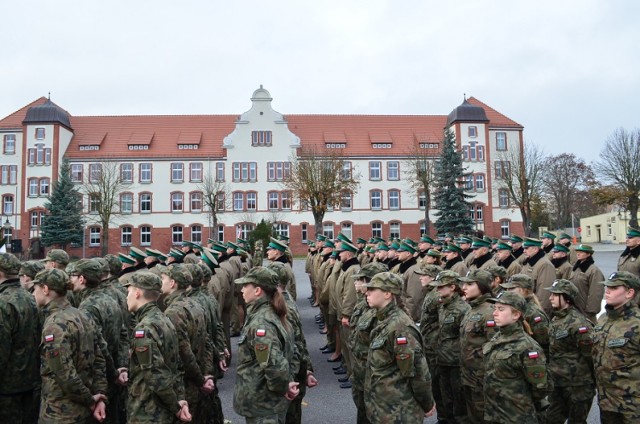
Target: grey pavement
327,403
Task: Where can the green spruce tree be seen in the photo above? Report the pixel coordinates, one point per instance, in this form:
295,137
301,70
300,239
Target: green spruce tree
452,214
63,223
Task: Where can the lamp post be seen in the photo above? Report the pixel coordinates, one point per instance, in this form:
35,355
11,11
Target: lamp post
8,230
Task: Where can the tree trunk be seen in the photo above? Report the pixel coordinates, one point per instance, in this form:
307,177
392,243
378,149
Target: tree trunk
317,219
104,249
633,210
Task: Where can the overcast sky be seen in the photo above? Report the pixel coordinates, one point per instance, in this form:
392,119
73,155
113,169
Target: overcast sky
567,70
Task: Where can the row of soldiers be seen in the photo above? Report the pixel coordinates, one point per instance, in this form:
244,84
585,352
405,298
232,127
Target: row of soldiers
138,337
454,329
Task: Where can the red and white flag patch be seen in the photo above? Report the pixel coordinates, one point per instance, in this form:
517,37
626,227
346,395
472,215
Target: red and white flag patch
49,338
533,355
261,332
491,323
401,340
583,330
139,334
537,319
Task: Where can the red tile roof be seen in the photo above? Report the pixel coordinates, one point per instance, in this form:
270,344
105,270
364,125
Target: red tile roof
15,119
496,119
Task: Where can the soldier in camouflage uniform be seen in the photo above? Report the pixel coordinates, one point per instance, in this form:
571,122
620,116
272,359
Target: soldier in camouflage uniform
477,328
264,383
56,258
73,371
195,348
570,361
515,381
19,338
277,252
27,273
362,321
616,351
397,378
156,389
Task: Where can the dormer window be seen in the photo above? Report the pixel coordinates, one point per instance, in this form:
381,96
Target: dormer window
187,147
89,147
335,145
261,138
138,147
381,145
473,131
428,145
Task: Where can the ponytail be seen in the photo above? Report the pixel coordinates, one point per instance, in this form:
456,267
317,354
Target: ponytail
278,304
527,327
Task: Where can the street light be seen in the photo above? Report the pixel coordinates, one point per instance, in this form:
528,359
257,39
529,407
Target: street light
8,230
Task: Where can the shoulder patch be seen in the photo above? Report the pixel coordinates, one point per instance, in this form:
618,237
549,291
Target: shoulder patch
537,319
583,330
260,332
533,355
617,342
139,334
49,338
491,323
401,340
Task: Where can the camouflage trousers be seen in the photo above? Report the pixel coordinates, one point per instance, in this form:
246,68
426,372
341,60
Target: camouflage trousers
294,412
454,408
358,400
610,417
474,398
20,408
435,378
271,419
572,403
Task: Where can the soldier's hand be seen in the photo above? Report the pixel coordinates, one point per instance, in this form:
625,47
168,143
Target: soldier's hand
183,414
226,353
345,322
208,385
311,380
100,411
430,413
223,365
123,377
293,391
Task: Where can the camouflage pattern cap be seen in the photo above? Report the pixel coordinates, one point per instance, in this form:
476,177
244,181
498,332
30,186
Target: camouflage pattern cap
115,266
56,279
58,256
31,268
279,269
497,271
622,278
370,269
9,264
564,286
145,280
180,274
386,281
481,277
512,299
260,276
518,280
446,278
428,269
90,269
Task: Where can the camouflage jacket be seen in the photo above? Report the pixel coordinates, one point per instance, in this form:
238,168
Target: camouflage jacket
616,359
20,325
515,377
72,366
397,377
265,350
450,314
570,336
302,360
539,323
211,309
362,321
477,328
119,293
258,257
155,385
429,327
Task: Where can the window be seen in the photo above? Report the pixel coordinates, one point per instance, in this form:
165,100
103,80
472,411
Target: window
94,202
126,172
9,174
176,234
374,170
479,182
238,201
145,202
145,235
196,233
219,171
125,236
281,229
609,229
304,232
473,131
501,141
505,230
278,171
346,200
394,199
177,172
76,172
286,200
376,199
503,198
7,204
39,133
220,201
36,219
126,203
31,156
9,144
273,200
394,230
252,201
422,200
39,154
393,170
346,170
44,186
476,213
195,171
146,173
94,236
423,228
502,169
468,182
95,172
589,230
177,204
376,229
196,201
327,230
220,233
473,152
347,229
244,230
261,138
244,171
33,187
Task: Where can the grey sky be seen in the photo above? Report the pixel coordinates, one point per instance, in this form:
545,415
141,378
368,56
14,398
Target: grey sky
568,70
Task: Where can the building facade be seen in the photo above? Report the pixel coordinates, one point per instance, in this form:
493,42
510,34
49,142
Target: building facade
164,163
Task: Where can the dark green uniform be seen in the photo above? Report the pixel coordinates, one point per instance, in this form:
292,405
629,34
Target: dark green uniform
362,321
539,323
429,328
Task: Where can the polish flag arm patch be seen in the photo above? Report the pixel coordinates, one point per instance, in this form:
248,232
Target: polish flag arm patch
261,332
139,334
583,330
533,355
401,340
49,338
491,323
537,319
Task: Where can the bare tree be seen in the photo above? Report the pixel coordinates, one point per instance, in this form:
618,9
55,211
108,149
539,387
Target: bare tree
103,187
320,178
521,176
620,164
215,198
419,171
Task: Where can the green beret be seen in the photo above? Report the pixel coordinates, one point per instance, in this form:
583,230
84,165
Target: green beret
386,281
56,279
511,299
261,277
145,280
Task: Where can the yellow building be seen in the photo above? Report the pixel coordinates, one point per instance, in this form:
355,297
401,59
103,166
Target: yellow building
608,227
